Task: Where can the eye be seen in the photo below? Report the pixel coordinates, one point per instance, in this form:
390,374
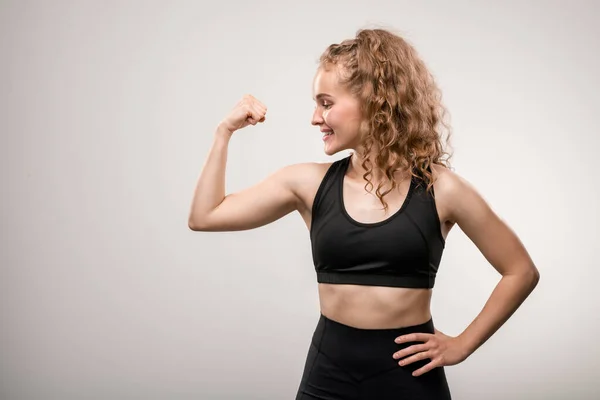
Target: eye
327,105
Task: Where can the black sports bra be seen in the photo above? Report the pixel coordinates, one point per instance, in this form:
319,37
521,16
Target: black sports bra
403,250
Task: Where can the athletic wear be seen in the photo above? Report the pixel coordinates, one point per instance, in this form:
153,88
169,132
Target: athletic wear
347,363
403,250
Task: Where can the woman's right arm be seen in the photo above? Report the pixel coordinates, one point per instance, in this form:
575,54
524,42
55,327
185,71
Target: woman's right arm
258,205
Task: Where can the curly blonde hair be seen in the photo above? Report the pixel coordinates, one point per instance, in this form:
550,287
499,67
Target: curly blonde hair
403,115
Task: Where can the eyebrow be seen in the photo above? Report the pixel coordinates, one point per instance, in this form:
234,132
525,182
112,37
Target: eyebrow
320,95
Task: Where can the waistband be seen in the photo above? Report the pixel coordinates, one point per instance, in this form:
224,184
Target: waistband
426,327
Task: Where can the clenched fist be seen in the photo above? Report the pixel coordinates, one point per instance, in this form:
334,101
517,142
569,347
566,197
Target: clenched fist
248,111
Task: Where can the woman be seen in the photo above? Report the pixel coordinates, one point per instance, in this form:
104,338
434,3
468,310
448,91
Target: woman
378,221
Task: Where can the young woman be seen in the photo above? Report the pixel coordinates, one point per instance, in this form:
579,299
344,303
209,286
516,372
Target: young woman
378,221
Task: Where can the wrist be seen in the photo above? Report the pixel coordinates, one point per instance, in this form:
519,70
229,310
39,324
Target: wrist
223,133
467,345
223,130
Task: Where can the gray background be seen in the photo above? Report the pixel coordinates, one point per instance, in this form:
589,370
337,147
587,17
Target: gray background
107,113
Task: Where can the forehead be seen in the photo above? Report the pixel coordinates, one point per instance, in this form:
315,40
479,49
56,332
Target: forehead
326,81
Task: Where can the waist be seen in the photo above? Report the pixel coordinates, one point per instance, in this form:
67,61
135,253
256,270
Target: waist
375,307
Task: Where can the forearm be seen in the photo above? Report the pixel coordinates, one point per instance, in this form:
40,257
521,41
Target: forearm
507,296
210,186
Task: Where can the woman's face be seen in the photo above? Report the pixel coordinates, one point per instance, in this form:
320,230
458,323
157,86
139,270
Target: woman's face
336,111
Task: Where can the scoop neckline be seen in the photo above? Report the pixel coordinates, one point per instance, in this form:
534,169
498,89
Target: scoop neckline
344,169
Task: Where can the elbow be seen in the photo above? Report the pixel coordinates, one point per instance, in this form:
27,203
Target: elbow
192,225
527,275
533,277
196,225
537,277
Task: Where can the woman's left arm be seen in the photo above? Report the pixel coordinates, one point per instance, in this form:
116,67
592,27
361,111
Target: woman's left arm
504,251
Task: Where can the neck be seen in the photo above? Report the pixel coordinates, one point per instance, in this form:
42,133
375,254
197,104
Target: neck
356,170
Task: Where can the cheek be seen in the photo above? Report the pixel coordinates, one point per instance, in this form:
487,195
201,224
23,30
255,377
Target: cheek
347,122
341,119
326,117
334,118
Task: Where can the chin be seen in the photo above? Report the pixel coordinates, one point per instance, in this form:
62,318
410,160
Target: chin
332,150
335,146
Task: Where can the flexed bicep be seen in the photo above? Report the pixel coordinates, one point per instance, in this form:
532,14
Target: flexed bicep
258,205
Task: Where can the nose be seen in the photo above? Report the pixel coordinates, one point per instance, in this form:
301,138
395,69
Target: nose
317,117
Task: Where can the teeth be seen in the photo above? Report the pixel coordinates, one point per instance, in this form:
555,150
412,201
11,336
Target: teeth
328,133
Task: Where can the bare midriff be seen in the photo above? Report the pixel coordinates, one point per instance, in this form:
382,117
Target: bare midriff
375,307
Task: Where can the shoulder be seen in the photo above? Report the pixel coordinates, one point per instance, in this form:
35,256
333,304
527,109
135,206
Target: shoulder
303,173
455,194
446,181
304,179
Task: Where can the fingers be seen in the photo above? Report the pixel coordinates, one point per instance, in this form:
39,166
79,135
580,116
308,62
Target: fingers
410,350
255,110
416,357
414,337
422,355
419,352
426,368
254,101
255,115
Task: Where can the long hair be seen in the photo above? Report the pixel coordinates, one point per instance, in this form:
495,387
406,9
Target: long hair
403,116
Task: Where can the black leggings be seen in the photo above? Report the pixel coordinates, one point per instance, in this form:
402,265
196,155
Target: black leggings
348,363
